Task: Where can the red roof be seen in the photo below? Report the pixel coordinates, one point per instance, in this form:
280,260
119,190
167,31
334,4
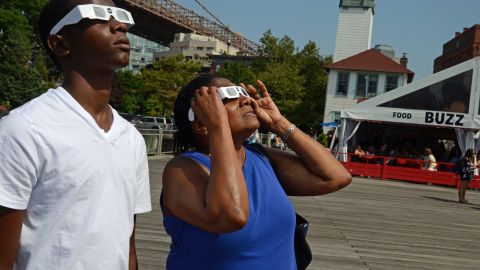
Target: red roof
371,60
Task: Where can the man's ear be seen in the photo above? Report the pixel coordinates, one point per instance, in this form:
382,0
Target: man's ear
58,45
199,128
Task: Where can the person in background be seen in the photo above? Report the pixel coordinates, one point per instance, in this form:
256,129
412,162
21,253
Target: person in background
73,172
223,204
383,153
430,163
370,151
359,151
358,154
467,167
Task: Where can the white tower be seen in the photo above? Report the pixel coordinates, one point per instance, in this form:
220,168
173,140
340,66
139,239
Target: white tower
354,31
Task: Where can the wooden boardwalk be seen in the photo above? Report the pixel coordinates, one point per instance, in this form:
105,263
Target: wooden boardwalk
371,224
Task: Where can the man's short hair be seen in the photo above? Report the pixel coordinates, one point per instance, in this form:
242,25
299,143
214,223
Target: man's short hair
50,15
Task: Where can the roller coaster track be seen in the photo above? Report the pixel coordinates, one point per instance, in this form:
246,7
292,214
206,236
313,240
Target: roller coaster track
160,20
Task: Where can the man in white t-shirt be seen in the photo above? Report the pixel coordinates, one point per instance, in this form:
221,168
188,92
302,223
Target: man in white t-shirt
73,173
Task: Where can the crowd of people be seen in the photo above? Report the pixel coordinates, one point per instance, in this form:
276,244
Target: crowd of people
443,160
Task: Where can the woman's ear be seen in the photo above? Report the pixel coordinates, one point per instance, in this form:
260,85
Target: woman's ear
58,44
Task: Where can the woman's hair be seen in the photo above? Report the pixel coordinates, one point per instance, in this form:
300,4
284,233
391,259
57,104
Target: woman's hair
184,139
50,15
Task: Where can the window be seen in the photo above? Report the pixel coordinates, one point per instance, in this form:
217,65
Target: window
366,85
148,119
199,48
209,48
372,85
391,82
342,84
361,85
336,117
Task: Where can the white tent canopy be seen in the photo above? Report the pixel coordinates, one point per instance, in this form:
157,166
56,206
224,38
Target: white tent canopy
450,98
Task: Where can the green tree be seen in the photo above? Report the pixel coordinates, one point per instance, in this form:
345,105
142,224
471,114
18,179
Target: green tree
19,80
237,72
278,69
312,67
275,49
31,9
153,90
296,79
284,83
126,96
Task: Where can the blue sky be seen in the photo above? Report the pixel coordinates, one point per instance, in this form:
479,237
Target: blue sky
416,27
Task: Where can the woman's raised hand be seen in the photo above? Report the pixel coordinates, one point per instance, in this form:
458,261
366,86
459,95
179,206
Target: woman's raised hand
265,109
208,107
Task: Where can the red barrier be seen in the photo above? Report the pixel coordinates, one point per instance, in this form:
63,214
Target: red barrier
404,169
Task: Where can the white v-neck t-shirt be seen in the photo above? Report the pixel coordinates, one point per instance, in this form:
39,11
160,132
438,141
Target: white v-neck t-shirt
80,186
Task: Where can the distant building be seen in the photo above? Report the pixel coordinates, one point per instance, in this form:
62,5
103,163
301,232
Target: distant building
196,47
142,52
219,61
464,46
359,77
359,72
354,30
386,50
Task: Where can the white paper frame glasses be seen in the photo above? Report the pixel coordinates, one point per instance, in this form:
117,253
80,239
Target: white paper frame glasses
93,12
226,92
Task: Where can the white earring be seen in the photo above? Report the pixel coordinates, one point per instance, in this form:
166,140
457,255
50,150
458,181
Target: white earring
191,116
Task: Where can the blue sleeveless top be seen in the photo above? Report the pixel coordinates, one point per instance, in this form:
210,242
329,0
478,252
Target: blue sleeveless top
265,242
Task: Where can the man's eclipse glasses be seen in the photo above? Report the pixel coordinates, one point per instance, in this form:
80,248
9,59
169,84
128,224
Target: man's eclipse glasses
93,12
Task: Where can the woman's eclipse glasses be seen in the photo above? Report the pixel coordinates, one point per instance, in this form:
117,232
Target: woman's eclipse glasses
227,92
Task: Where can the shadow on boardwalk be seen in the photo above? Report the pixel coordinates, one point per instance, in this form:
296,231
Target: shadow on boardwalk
371,224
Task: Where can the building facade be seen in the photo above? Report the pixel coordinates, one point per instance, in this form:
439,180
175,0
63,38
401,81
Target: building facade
359,72
196,47
464,46
359,77
142,52
354,30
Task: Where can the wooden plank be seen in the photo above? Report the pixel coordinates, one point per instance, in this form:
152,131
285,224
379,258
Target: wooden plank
371,224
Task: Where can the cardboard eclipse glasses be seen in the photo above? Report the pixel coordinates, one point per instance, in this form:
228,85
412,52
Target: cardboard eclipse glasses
93,12
227,92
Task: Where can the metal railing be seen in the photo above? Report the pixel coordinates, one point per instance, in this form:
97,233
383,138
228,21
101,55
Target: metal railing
159,142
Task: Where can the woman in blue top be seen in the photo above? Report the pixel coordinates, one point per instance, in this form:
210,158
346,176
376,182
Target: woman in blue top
223,205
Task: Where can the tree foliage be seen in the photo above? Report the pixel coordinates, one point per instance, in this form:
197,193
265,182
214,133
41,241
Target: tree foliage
310,112
21,77
296,79
19,81
237,72
153,90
